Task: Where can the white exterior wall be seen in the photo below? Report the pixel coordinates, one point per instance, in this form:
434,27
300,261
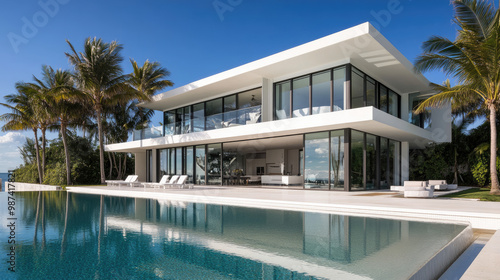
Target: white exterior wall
140,165
267,100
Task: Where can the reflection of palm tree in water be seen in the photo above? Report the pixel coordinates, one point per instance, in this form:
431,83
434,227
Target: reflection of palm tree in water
336,162
36,217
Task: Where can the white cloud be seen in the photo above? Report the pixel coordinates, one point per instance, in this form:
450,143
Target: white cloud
10,157
12,137
320,151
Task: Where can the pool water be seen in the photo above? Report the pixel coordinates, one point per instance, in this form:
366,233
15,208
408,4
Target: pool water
78,236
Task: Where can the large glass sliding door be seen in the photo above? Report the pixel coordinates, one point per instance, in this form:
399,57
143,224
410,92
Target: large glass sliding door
337,159
316,147
199,171
357,160
371,162
214,164
162,163
189,164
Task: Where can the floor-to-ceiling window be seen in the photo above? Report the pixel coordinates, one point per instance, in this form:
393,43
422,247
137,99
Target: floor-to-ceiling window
339,81
198,117
384,162
321,83
337,159
357,88
214,164
282,100
371,162
189,163
179,156
300,97
200,165
394,163
213,114
357,160
316,152
162,163
169,121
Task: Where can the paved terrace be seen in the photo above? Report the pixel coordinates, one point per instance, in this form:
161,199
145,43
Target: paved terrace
382,204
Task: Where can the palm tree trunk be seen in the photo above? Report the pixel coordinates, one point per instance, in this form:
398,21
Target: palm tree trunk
493,151
44,144
101,147
66,154
110,166
37,149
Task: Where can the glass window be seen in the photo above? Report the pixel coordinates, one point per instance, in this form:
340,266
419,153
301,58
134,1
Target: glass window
370,92
214,164
169,121
186,121
162,163
200,165
321,92
383,98
357,88
249,104
178,121
371,162
357,147
171,161
282,101
393,103
316,152
199,117
230,111
213,113
394,163
384,181
338,88
189,164
300,95
178,162
250,98
337,159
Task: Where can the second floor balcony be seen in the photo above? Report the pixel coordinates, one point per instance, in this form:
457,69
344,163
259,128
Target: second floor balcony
244,116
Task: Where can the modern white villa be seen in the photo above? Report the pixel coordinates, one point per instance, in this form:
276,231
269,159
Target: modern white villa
331,114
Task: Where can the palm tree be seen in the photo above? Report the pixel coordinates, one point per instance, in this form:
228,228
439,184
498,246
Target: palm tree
99,77
24,116
473,60
147,80
59,93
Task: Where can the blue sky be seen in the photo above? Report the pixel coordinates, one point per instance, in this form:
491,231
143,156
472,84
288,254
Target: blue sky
194,39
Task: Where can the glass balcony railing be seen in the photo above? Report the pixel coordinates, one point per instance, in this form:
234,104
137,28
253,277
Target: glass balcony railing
147,133
239,117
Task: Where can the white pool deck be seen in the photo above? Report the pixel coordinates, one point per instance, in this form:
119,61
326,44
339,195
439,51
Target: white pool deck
483,263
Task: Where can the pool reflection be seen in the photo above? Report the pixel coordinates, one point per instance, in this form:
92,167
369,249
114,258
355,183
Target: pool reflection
89,236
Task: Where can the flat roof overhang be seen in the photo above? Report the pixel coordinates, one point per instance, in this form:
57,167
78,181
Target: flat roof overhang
366,119
361,45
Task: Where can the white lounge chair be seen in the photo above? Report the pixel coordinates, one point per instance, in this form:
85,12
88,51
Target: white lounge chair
418,189
172,181
132,182
117,182
163,181
181,183
439,185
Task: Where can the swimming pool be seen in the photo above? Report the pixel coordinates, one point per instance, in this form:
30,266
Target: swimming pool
80,236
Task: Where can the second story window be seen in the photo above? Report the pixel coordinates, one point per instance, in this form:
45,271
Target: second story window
312,94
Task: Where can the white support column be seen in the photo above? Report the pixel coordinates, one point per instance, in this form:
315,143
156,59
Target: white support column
140,166
405,161
267,100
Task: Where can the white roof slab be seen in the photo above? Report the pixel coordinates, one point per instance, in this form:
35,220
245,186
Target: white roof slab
361,45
